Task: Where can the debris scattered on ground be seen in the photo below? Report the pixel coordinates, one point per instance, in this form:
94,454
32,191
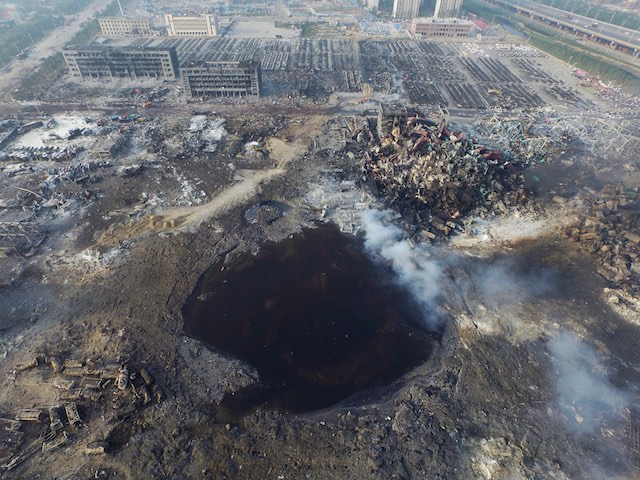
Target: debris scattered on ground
610,230
90,389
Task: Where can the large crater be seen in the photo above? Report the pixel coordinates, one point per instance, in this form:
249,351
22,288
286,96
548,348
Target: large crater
315,316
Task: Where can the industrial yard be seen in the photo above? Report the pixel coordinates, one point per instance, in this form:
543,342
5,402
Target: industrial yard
450,75
328,256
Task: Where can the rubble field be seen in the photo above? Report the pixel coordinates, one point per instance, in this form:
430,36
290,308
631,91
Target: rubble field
527,260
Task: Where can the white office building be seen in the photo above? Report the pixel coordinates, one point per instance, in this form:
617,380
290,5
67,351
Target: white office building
448,9
205,25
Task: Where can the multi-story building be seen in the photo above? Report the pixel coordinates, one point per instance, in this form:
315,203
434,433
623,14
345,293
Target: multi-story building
405,8
205,25
124,26
441,27
221,79
447,9
101,61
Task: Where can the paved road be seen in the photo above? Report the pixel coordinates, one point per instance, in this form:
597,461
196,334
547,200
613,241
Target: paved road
607,31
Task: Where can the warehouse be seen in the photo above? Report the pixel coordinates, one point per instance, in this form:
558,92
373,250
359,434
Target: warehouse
221,79
100,61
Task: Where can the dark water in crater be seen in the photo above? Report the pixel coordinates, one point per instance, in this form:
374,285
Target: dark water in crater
315,316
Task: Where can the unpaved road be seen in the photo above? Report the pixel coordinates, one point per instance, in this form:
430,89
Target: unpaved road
248,182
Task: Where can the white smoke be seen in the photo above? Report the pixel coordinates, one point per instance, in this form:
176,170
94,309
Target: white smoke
428,273
586,397
414,266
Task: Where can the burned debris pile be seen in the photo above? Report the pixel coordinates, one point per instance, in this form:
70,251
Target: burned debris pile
527,137
436,175
80,390
610,229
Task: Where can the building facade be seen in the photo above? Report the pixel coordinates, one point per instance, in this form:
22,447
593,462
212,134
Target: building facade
441,28
448,9
372,4
221,79
405,8
121,62
123,26
205,25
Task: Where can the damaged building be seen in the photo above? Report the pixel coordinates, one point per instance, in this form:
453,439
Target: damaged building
202,71
125,26
441,28
99,61
221,79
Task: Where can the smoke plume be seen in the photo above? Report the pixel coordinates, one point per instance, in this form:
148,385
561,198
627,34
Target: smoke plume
586,397
414,267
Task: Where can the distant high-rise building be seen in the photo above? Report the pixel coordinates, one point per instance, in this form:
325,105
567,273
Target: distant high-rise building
372,4
447,8
405,8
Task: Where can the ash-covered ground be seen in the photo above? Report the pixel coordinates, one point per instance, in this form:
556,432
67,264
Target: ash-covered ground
530,282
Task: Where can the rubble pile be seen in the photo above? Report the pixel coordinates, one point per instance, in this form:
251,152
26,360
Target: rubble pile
82,387
206,132
21,237
527,136
439,175
611,230
61,189
57,154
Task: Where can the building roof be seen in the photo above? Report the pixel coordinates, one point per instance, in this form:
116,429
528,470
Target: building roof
215,64
124,18
107,48
443,21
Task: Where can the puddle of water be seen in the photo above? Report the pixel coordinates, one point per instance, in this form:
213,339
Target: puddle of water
315,316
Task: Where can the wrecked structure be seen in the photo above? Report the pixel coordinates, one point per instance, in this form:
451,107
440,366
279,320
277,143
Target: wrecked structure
430,74
122,62
221,79
610,230
81,389
180,187
434,174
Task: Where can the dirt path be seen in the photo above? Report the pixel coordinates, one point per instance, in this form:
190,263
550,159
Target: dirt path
248,184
